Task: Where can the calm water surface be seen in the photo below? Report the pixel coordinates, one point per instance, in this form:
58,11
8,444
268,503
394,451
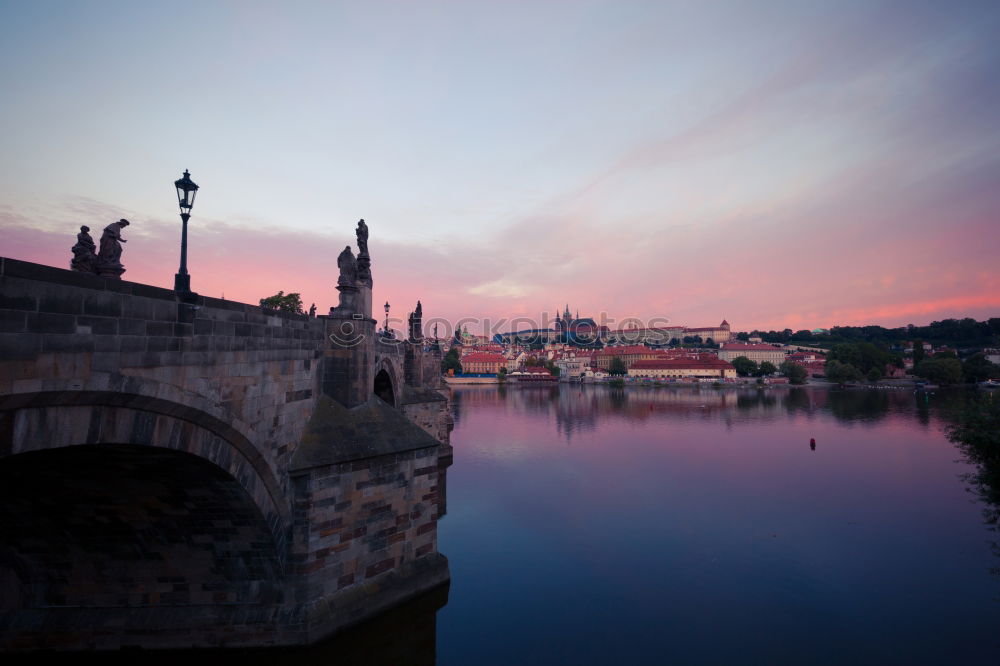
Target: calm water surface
649,526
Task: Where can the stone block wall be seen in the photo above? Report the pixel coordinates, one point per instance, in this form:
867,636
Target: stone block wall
359,524
431,359
348,359
413,355
433,416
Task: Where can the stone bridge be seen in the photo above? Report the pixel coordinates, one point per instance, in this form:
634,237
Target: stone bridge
182,471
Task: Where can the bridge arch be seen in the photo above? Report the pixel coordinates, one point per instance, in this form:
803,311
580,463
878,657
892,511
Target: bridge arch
383,387
387,382
111,527
50,420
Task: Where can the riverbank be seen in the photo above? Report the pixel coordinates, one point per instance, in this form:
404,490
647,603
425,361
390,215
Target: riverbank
910,384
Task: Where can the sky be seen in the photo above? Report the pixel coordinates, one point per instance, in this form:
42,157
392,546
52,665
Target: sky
778,164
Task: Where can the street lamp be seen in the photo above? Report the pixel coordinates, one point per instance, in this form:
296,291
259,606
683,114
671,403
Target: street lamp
186,191
387,318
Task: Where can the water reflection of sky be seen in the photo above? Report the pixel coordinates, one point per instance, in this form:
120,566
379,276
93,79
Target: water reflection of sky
588,525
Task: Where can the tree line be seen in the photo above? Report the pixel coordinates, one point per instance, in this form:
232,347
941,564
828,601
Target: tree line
965,332
847,362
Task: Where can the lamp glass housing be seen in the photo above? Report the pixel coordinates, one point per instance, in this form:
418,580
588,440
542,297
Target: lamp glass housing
186,192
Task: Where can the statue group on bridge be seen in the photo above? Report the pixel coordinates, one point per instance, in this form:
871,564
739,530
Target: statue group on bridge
106,261
354,273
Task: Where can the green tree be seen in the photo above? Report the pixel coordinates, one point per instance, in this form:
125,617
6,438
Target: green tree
451,362
502,375
796,373
979,426
940,370
766,368
918,352
552,368
872,357
617,367
863,355
283,302
847,353
842,372
744,366
978,433
874,375
978,368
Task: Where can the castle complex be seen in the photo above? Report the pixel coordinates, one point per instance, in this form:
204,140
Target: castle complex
585,332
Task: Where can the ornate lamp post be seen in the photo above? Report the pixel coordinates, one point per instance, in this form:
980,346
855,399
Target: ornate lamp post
387,318
186,191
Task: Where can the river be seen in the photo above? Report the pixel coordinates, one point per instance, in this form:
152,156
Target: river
591,525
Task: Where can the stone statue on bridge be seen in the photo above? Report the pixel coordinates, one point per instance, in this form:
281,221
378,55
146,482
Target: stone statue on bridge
348,266
416,323
109,258
362,234
84,252
364,261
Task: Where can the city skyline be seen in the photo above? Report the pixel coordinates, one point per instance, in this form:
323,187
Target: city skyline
781,165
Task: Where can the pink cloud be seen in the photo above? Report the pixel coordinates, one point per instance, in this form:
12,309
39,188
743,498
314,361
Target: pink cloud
245,265
855,253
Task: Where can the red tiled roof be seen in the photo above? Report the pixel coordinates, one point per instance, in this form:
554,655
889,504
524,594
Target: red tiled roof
483,357
751,346
801,356
703,363
679,353
488,348
629,349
